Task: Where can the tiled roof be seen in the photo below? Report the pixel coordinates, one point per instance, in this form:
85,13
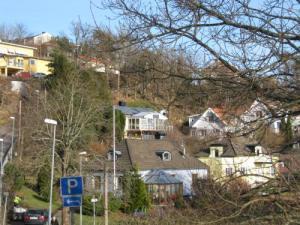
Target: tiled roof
143,155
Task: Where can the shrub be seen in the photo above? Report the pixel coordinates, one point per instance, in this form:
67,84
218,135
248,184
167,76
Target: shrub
43,182
13,177
135,196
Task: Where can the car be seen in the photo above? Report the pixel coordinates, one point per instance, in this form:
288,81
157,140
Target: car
36,217
23,75
39,75
17,213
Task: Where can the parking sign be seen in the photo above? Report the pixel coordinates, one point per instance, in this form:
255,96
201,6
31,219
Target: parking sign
71,186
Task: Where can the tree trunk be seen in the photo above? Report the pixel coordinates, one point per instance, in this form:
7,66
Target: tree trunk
65,211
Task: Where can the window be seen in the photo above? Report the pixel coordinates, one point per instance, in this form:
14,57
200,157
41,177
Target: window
164,155
134,124
194,178
259,114
229,171
216,153
32,62
243,170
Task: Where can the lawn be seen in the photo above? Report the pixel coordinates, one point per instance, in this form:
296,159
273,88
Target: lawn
113,219
32,200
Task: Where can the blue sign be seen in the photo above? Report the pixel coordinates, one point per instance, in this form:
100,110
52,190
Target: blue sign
72,201
71,186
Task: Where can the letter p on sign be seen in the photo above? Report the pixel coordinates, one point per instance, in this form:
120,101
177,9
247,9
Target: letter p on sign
72,183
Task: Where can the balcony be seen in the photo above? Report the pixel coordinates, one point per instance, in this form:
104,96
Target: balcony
148,125
15,63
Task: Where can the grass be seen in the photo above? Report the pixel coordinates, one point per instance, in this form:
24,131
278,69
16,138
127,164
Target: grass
113,218
32,200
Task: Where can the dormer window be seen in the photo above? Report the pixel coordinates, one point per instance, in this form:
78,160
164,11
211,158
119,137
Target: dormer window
110,155
164,155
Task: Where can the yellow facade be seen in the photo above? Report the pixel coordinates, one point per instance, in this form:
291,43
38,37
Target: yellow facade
20,58
254,169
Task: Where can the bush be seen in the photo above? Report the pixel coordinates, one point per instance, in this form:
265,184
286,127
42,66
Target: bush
135,196
87,206
43,182
114,204
13,177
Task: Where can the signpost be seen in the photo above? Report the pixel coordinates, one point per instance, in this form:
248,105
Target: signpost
71,189
71,186
72,201
94,200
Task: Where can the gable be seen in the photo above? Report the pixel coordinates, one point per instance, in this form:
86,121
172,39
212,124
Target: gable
208,120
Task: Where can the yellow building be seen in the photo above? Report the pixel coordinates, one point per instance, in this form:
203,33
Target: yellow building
251,162
16,58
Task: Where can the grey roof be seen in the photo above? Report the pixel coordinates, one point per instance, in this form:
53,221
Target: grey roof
160,177
232,147
133,110
143,155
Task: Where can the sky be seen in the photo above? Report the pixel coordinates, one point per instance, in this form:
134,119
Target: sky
53,16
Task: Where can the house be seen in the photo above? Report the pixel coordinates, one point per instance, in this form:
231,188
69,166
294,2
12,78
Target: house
257,114
163,165
207,124
144,123
235,157
38,39
16,58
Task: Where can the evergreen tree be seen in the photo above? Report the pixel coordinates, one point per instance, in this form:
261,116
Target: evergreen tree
135,196
43,182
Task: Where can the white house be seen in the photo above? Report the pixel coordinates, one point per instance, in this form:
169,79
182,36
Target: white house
144,123
229,158
257,114
207,124
39,39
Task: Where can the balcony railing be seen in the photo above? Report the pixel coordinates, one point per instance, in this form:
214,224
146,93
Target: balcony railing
153,125
15,64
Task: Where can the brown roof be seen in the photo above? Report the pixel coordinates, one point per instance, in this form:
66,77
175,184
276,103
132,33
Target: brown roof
143,155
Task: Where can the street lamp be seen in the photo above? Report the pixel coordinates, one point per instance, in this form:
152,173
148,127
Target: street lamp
12,136
80,172
2,150
114,148
54,123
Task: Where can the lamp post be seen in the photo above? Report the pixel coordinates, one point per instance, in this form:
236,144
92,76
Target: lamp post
2,150
12,136
54,123
114,147
80,172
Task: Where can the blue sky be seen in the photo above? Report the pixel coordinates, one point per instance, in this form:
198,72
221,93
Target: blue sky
53,16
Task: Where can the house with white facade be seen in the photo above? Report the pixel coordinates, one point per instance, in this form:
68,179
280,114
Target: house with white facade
206,124
144,123
165,167
256,115
38,39
229,158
